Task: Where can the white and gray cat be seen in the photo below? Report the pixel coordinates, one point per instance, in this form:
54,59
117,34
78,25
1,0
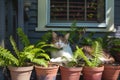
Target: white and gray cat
61,42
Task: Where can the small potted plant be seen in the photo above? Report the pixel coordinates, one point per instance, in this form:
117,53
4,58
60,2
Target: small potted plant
93,68
114,44
71,69
44,69
112,67
19,62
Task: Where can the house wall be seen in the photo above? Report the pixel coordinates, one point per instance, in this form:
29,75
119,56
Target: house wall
32,22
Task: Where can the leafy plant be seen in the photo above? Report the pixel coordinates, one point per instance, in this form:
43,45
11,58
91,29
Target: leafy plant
96,52
6,58
23,37
87,40
76,61
29,54
76,33
114,44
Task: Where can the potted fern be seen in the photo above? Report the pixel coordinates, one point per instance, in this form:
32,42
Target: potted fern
18,62
112,66
114,44
71,69
44,69
93,66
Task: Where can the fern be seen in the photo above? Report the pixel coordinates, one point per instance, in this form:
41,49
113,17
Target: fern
30,53
96,53
41,62
24,39
7,57
14,46
80,53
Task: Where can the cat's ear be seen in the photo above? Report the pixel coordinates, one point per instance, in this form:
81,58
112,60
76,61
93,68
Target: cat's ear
54,35
67,36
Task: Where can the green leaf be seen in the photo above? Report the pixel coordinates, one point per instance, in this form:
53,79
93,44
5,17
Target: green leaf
41,62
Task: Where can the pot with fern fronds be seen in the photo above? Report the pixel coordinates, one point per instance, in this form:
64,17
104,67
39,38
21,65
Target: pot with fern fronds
43,68
112,66
114,45
93,68
72,68
20,63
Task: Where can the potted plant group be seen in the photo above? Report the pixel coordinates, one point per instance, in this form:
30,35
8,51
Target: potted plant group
93,68
41,60
20,60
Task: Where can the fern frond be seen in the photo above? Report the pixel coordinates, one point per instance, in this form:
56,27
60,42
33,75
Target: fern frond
80,53
43,55
14,46
8,57
41,62
23,37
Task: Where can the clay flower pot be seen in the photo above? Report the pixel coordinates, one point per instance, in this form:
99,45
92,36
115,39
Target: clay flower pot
92,73
111,72
70,73
46,73
20,73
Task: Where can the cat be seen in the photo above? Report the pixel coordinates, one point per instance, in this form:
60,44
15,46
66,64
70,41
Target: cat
61,42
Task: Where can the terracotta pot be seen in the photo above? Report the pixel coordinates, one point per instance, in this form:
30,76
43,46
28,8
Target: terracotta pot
92,73
20,73
70,73
111,72
48,73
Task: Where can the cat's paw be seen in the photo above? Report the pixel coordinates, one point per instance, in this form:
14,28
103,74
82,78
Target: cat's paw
59,59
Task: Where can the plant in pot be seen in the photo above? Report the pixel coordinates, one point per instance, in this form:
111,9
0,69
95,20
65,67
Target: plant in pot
111,67
71,69
26,57
114,44
40,58
44,69
93,66
18,63
22,60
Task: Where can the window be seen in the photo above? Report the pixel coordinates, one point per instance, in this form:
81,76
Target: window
87,11
95,15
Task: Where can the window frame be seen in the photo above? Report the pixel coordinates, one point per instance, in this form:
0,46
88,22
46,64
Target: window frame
44,19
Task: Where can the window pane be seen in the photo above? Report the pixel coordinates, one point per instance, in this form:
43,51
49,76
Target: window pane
79,10
95,10
58,10
76,10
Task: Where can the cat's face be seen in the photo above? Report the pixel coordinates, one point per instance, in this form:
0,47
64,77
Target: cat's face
59,41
